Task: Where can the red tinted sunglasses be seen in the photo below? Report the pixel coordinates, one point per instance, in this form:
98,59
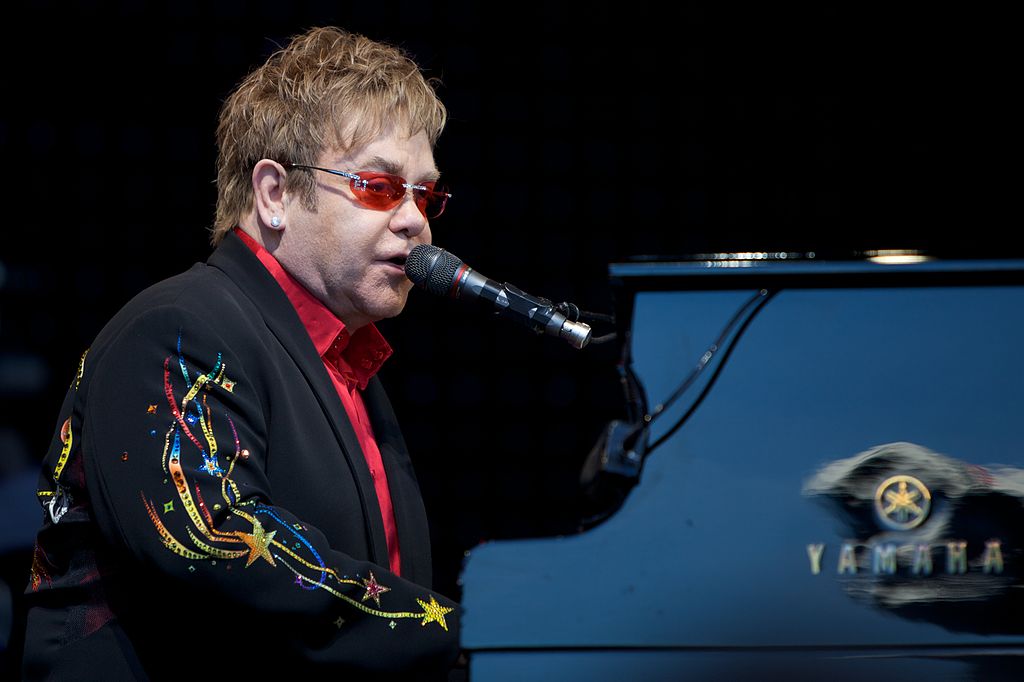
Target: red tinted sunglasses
383,191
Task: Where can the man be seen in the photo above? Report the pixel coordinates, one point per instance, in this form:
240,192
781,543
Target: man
228,491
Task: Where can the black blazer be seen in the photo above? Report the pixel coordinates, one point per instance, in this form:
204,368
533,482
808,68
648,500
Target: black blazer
207,507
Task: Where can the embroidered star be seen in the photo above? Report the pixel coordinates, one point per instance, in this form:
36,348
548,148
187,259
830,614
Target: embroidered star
434,612
227,384
340,621
392,625
210,466
259,543
151,409
374,589
169,507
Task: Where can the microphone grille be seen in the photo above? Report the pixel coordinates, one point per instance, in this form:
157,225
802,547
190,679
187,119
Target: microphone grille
432,268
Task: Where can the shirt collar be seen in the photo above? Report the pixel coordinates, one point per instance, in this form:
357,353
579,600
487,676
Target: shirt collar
357,356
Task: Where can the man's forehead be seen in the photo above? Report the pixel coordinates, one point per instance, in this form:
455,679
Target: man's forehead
418,172
396,154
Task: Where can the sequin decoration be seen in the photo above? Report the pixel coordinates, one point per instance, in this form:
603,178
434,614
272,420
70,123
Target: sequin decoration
81,369
38,573
374,589
211,467
59,504
68,439
259,542
267,537
151,409
434,612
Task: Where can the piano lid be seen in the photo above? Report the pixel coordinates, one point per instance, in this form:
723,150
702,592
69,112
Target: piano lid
734,270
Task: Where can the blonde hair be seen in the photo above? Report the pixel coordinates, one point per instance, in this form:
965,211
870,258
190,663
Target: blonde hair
328,88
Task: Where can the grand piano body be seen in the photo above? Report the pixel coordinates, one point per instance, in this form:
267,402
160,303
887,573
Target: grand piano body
822,477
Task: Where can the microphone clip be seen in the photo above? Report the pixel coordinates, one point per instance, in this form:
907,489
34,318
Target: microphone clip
544,316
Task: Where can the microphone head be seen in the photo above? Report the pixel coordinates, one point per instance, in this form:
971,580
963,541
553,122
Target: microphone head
432,268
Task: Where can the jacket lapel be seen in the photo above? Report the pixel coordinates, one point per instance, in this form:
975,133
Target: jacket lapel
240,264
410,515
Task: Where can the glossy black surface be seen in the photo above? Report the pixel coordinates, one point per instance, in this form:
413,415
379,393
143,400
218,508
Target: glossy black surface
733,538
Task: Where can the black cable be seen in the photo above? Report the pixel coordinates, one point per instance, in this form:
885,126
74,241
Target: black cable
610,482
598,317
760,299
636,400
604,338
705,359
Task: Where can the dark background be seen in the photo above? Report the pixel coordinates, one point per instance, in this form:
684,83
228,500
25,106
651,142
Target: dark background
579,135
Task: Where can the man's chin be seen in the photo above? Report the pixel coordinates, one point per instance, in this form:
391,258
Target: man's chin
390,309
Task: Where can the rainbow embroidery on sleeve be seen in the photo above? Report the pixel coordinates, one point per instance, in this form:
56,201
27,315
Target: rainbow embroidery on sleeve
267,538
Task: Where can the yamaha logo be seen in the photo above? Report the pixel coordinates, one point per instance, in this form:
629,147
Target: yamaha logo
902,502
920,529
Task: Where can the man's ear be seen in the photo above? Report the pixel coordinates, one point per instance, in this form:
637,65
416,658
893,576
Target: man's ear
268,180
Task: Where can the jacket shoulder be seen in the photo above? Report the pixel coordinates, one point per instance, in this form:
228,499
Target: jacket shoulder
202,292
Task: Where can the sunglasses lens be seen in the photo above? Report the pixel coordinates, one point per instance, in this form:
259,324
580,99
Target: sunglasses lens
382,191
378,190
431,201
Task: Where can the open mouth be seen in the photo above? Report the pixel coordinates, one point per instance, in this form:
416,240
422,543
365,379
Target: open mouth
398,260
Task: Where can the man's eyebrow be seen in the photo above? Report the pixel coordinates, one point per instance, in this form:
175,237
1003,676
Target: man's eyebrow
388,166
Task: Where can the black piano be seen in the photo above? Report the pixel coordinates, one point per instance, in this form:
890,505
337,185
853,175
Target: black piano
820,476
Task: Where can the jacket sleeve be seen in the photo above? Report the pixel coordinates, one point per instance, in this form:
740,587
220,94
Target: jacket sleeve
174,443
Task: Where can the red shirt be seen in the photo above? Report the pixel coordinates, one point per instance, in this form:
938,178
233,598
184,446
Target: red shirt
351,360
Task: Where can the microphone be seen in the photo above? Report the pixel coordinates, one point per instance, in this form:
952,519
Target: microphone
441,273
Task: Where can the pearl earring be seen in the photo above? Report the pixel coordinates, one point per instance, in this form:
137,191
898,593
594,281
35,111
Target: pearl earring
275,222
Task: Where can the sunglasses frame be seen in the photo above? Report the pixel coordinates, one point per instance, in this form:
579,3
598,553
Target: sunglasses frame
358,184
